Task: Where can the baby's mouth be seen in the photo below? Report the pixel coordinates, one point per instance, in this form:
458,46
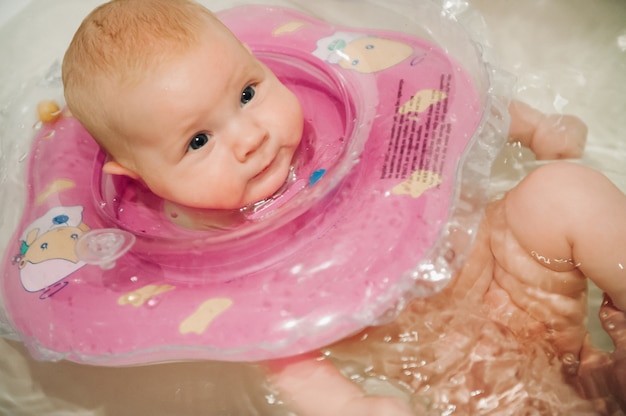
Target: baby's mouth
265,169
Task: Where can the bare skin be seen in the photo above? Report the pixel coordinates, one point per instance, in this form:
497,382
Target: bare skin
509,330
513,322
602,376
539,285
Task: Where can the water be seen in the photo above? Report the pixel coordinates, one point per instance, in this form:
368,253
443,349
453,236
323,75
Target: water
569,56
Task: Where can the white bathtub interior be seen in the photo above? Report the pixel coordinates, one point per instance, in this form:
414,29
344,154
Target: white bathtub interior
567,55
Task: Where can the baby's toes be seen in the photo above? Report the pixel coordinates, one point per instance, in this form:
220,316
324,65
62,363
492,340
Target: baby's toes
614,323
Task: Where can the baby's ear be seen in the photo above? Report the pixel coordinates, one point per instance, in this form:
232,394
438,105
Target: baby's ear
114,168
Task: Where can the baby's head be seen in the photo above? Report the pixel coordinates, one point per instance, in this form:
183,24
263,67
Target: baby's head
178,102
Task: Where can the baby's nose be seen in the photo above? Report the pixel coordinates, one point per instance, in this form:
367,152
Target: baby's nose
250,138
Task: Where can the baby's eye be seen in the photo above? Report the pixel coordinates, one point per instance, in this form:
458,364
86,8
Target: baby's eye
198,141
247,94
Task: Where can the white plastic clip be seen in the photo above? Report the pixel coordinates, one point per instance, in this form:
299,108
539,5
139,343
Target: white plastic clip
103,246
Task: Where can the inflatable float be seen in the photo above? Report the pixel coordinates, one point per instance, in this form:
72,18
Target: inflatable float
381,206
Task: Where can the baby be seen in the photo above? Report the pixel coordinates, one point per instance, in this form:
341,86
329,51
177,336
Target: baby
178,103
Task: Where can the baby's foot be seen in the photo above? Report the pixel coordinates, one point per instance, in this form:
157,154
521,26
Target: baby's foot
602,375
614,323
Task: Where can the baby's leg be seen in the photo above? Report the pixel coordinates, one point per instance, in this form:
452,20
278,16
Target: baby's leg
313,386
570,216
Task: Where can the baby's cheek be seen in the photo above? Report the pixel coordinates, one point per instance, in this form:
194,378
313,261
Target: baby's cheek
296,134
226,195
209,191
292,111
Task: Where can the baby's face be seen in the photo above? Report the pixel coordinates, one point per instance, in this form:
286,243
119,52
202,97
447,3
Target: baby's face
212,129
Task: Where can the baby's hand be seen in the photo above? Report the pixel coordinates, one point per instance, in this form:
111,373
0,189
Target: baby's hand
559,136
549,136
376,406
314,387
602,375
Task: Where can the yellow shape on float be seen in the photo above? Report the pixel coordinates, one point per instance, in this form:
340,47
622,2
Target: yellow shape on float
421,101
419,182
289,27
200,319
140,296
53,187
371,54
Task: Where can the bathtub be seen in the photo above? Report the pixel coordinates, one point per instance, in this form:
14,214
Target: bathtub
567,56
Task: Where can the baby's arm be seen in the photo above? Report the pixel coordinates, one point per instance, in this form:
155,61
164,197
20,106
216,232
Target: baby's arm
315,387
549,136
572,215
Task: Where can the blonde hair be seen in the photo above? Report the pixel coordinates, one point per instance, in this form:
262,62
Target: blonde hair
114,47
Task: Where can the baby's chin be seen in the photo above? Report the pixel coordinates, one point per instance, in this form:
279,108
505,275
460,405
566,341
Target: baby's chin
269,182
262,194
229,202
267,188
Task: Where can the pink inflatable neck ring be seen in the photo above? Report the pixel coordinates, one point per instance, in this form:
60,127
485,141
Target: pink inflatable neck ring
98,272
